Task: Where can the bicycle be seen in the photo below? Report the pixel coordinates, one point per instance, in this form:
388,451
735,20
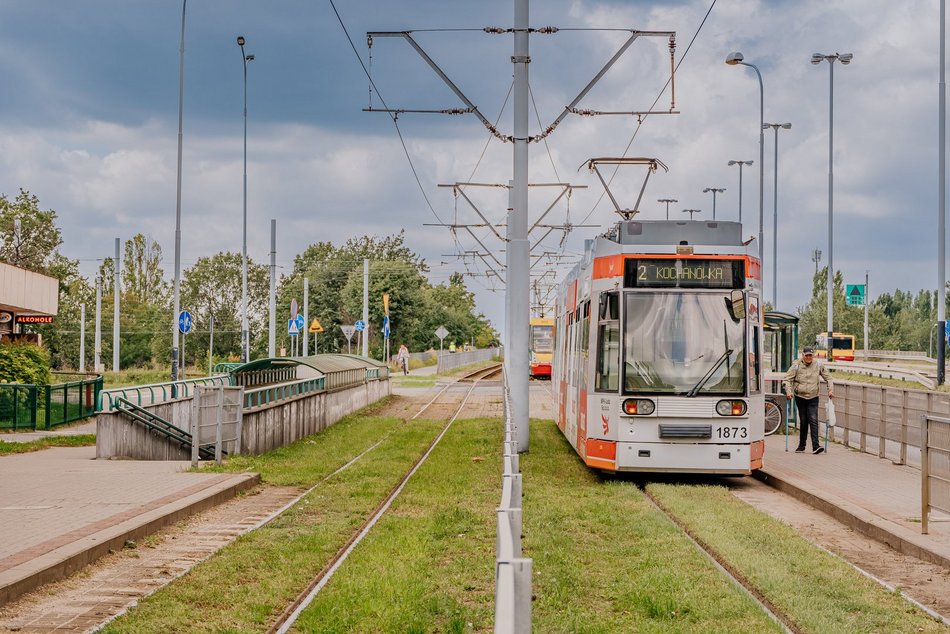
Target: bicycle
774,415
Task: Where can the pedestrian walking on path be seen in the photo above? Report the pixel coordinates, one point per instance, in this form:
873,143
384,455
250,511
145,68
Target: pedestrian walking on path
403,358
801,381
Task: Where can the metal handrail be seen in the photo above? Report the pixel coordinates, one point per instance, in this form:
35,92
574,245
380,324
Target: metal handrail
281,391
157,392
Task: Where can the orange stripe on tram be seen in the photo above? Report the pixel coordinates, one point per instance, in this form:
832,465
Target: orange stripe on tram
601,454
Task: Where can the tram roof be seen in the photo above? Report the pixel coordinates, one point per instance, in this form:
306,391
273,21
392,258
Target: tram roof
677,232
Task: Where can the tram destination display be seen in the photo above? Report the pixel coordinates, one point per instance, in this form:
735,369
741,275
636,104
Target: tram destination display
684,273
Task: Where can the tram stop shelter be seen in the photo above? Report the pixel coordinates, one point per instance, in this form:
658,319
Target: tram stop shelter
26,298
327,371
781,334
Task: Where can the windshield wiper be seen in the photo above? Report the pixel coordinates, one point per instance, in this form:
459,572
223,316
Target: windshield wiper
699,385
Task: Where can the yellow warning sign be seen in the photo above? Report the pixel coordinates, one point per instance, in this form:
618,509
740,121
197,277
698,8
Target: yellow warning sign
315,326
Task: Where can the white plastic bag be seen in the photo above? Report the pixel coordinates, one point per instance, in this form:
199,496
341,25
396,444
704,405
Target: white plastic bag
830,411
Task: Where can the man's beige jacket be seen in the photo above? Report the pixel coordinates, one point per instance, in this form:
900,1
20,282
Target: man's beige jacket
802,379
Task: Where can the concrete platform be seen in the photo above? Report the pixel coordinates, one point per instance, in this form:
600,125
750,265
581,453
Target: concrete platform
871,495
60,509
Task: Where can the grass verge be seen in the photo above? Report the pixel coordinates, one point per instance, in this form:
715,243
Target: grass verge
468,368
605,560
819,591
245,585
413,381
878,380
79,440
428,565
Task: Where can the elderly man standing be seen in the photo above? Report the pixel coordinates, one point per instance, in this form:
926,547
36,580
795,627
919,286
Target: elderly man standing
801,381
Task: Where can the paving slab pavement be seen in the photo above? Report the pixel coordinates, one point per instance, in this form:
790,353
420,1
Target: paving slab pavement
60,509
88,427
872,495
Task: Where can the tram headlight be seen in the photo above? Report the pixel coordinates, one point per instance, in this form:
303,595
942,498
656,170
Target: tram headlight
731,408
638,407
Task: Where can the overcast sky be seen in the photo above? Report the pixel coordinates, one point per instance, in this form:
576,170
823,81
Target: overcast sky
89,116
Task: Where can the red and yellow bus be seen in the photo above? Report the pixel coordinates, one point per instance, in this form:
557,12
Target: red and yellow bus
842,346
542,347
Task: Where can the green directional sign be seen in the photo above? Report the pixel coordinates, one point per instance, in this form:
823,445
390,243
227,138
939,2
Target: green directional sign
854,293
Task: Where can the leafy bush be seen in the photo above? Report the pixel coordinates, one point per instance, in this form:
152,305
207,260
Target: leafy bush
24,363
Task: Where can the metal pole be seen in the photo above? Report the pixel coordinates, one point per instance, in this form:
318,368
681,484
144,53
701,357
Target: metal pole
775,227
245,334
941,208
867,300
365,308
272,324
306,316
97,350
116,291
211,346
714,204
831,268
740,193
176,308
519,261
82,338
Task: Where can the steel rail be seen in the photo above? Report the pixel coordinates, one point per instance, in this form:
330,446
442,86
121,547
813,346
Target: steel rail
303,600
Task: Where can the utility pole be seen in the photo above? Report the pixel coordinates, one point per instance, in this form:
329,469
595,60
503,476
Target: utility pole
365,308
176,304
116,291
942,195
211,346
667,201
97,350
867,300
82,338
306,316
272,324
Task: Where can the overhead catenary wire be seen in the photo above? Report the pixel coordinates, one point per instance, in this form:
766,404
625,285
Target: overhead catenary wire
643,119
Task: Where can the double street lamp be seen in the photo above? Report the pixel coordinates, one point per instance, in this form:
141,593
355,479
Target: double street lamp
816,59
691,212
732,60
775,126
667,201
245,335
741,164
714,190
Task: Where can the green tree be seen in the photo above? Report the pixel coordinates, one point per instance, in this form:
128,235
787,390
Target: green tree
29,236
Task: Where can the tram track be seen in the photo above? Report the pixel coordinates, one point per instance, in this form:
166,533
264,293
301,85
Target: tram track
469,382
782,618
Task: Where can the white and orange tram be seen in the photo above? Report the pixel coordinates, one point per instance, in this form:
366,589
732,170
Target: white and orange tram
658,350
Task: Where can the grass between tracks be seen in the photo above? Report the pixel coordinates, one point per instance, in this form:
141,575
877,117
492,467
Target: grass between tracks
246,585
819,591
428,565
79,440
605,560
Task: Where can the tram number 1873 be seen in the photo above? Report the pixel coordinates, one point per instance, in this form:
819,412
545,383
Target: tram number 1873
732,432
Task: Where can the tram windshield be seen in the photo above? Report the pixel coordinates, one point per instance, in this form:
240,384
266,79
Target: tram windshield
682,343
542,338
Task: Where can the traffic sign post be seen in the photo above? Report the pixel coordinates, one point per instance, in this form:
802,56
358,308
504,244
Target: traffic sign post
441,333
348,331
184,327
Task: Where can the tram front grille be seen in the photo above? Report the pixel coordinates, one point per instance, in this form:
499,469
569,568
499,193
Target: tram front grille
685,431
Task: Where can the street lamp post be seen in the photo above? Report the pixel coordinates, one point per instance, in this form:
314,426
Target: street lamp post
741,164
775,126
818,58
714,190
667,201
176,302
245,335
691,212
732,60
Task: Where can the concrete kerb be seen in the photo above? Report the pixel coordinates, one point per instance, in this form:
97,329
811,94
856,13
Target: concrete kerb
67,559
865,522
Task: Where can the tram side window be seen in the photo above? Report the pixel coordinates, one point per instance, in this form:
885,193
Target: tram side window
608,343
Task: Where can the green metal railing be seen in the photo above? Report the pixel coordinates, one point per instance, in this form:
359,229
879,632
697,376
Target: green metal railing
24,406
156,392
225,367
272,393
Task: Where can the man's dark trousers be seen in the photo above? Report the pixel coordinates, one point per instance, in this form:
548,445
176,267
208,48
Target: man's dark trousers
807,418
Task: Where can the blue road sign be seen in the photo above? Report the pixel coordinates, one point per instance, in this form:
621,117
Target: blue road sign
946,330
184,322
360,325
299,321
292,328
386,327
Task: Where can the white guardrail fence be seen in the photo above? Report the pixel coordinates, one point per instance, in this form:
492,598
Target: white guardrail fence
512,571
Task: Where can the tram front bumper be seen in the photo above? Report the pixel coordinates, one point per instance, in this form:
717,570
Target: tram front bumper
685,457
